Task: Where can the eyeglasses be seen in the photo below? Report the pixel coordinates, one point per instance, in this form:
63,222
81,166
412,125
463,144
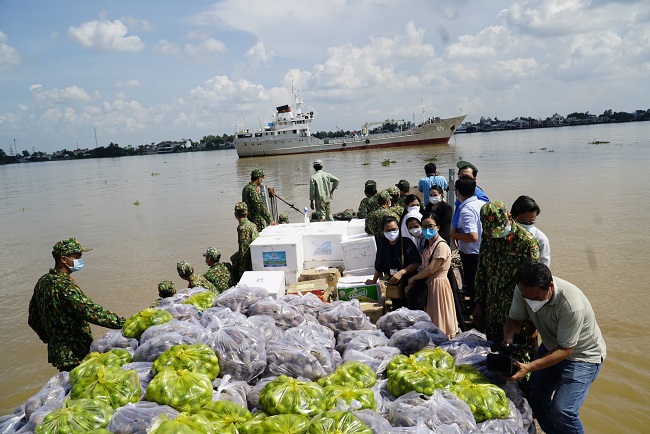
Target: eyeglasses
527,223
432,226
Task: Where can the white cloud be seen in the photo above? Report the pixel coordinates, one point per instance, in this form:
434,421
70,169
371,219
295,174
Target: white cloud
128,83
56,95
137,24
105,35
205,48
8,55
259,55
165,47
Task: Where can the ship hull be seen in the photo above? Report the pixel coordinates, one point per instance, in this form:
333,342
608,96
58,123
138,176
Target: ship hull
427,134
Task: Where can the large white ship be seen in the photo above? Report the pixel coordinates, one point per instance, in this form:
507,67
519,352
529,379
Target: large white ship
289,134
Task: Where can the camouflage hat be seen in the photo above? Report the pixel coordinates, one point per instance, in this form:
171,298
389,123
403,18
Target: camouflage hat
494,219
213,254
383,197
283,218
184,269
256,173
166,288
370,182
403,185
394,193
463,163
241,209
68,246
316,216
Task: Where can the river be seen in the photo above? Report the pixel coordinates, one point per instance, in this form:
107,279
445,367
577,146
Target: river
143,214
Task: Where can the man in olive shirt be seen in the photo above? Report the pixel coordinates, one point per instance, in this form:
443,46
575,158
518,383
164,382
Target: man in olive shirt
572,349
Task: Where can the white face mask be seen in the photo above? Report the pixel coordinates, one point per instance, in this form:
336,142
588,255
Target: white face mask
416,232
527,227
536,305
392,235
413,208
434,199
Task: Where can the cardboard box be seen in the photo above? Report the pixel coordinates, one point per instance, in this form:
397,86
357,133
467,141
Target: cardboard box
273,253
272,281
317,287
359,252
394,291
354,287
331,275
374,311
291,276
322,241
356,227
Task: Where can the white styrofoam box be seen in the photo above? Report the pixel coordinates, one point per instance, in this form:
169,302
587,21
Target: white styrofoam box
322,241
277,253
308,265
360,272
356,227
283,230
359,251
272,281
292,276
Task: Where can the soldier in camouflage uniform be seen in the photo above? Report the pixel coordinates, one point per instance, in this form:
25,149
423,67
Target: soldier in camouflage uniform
317,217
186,272
369,203
404,190
246,234
283,219
394,199
373,221
250,195
60,313
504,247
166,289
219,272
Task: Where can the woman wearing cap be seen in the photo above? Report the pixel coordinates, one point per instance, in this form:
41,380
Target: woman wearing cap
413,214
441,209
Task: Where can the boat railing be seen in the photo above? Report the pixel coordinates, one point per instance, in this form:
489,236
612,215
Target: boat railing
371,136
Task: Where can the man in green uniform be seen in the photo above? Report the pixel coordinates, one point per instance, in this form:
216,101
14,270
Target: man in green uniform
246,234
321,190
60,313
404,189
373,221
283,219
219,273
316,217
250,195
394,200
369,203
186,272
166,289
504,247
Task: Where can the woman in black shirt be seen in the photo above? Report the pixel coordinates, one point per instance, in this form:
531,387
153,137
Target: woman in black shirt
442,210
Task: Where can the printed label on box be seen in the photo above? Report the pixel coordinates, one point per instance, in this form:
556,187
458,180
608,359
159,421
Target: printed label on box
274,259
324,249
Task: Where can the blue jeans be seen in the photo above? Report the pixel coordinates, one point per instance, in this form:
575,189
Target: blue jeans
557,392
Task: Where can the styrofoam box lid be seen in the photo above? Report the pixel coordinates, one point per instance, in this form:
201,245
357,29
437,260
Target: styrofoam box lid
357,222
272,281
293,229
322,228
356,238
360,272
277,240
353,280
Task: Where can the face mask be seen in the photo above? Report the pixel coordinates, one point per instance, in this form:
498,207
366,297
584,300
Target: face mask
536,305
429,233
413,208
416,232
392,235
506,231
527,227
77,264
434,199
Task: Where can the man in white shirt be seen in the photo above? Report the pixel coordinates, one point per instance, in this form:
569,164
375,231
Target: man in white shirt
572,350
524,212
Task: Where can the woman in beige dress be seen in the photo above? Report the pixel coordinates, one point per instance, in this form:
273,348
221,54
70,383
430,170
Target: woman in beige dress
436,260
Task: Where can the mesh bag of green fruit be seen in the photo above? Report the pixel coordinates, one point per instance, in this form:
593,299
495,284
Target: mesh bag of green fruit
462,373
282,424
225,416
183,390
487,401
351,374
196,358
364,397
93,361
114,386
286,395
414,373
253,425
436,357
338,422
183,424
202,300
76,415
138,323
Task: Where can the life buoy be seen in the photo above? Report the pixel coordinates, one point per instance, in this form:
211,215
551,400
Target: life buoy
367,141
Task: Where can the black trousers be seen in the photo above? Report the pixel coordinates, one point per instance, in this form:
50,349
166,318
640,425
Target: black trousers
470,263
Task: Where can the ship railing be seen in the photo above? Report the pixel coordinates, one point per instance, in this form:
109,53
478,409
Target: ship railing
364,138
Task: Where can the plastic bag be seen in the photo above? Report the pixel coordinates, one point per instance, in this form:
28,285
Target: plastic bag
181,312
253,425
317,334
183,390
144,373
441,408
297,358
240,297
417,373
375,421
266,325
227,390
340,316
138,417
191,328
202,300
217,317
486,401
309,303
351,374
11,423
112,385
345,337
183,424
113,339
241,351
469,373
434,333
54,394
383,398
60,379
94,361
376,358
338,422
138,323
365,342
285,395
285,315
409,340
400,319
155,346
357,398
253,395
80,415
435,357
196,358
465,354
225,416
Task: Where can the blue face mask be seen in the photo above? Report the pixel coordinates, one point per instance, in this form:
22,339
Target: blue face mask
77,264
429,233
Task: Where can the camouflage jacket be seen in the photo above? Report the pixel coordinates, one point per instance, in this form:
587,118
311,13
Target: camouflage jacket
397,210
219,275
257,212
197,280
59,312
246,234
373,221
367,205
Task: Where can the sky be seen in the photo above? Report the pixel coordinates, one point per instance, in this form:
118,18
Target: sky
138,72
